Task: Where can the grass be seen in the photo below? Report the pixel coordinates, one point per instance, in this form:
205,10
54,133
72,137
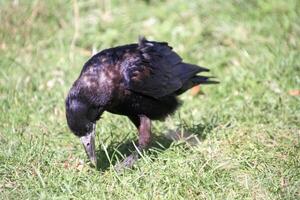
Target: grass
245,130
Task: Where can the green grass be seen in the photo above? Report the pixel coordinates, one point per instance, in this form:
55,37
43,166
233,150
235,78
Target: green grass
247,127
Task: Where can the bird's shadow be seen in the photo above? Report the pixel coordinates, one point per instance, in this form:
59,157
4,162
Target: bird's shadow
116,151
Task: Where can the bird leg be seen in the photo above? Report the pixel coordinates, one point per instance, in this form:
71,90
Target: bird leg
143,124
144,132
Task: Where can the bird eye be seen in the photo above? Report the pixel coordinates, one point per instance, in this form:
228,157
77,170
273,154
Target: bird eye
88,127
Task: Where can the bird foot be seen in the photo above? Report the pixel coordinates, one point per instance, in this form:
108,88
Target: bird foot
128,162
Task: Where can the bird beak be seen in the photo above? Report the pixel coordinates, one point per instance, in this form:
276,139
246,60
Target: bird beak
88,142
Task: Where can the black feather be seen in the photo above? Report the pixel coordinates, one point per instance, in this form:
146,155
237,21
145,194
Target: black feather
135,79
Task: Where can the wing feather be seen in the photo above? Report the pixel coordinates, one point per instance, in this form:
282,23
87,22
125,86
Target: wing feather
158,71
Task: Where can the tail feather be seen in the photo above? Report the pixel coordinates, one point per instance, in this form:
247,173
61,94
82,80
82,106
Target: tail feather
185,71
203,80
196,80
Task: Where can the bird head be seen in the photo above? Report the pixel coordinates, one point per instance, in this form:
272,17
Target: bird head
81,119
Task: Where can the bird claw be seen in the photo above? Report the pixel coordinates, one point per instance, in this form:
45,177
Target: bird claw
127,163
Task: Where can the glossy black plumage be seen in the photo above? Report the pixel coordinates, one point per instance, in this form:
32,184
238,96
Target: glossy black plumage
136,80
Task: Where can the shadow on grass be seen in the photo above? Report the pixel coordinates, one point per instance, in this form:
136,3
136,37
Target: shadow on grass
116,152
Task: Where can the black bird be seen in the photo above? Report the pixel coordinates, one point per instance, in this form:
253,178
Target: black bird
140,81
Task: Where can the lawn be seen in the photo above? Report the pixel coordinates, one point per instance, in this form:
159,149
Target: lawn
238,140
